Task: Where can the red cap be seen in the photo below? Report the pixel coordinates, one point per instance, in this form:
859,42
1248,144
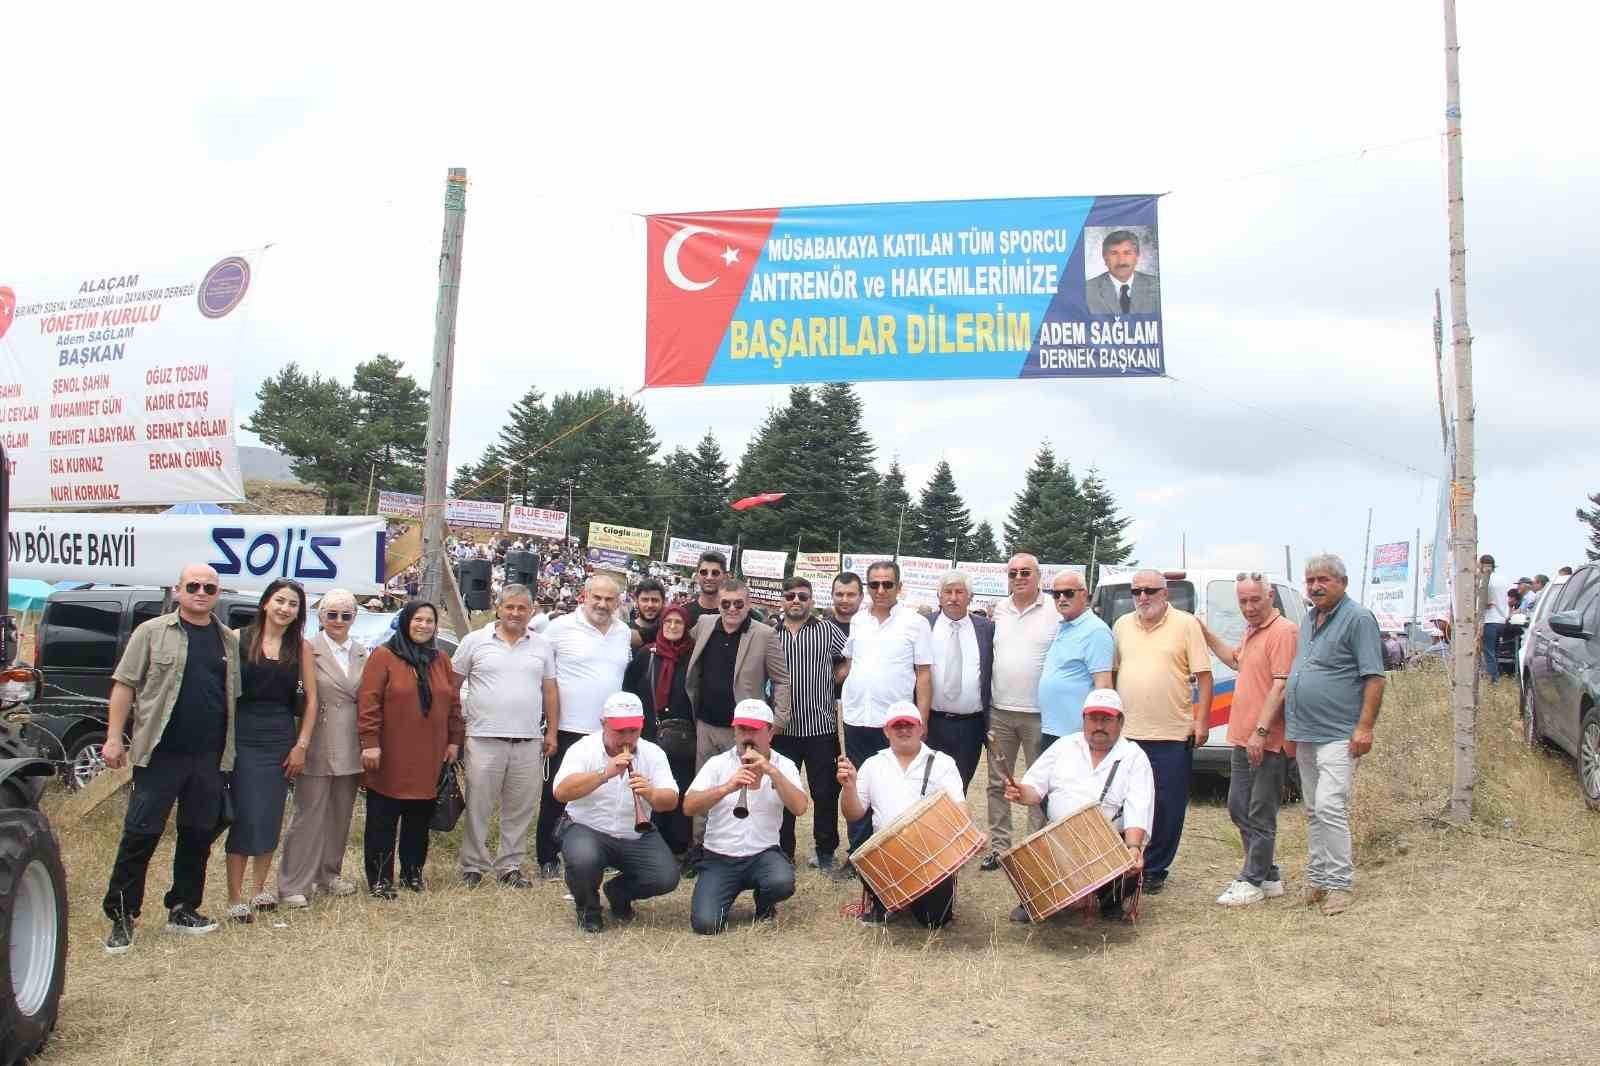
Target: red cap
623,710
902,711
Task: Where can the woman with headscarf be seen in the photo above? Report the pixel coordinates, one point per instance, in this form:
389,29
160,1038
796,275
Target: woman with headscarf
410,725
656,676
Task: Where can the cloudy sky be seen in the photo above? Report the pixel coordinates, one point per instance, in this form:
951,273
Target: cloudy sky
1301,242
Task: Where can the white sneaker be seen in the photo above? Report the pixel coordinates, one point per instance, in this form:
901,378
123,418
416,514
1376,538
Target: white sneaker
1271,889
339,887
295,902
1241,894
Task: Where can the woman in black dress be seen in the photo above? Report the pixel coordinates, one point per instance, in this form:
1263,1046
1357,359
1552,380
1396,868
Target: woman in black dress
279,678
656,676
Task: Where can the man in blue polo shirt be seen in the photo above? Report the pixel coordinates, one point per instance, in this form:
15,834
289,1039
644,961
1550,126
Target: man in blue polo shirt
1078,662
1334,692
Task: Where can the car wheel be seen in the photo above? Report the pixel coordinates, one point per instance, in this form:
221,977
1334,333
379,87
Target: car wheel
1532,734
33,917
1589,758
84,761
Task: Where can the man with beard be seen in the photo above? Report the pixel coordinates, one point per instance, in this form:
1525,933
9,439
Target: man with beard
649,599
709,575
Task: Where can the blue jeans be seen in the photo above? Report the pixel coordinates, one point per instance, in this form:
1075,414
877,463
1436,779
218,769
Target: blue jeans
860,744
645,864
769,874
1171,761
1491,650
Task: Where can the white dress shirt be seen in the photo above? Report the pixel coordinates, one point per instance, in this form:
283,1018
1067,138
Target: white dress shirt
1066,777
740,838
609,809
971,699
589,667
341,652
883,660
890,791
1021,639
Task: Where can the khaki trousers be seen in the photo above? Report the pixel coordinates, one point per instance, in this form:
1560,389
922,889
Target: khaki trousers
1013,731
508,773
313,846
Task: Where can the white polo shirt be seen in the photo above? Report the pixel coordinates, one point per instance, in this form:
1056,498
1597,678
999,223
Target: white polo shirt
609,809
503,693
589,667
1066,776
890,791
1021,639
883,660
740,838
970,700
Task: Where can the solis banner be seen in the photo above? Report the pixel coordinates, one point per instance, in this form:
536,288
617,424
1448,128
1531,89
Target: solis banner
1049,287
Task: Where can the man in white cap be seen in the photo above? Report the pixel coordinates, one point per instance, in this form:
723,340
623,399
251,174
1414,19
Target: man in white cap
604,828
894,780
1097,765
743,794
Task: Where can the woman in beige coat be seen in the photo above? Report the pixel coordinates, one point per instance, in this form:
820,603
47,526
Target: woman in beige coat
325,792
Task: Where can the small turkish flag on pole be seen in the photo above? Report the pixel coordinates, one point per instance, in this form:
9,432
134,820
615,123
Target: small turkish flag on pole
757,500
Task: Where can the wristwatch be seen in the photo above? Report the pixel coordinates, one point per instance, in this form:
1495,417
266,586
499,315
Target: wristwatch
1261,730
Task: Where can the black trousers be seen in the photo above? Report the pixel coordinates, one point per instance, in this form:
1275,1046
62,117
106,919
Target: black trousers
818,756
645,865
545,844
860,744
387,819
676,828
1172,763
194,784
933,909
959,736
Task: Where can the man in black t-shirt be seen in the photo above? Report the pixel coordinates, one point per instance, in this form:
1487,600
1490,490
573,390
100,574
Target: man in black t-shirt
709,574
650,599
174,690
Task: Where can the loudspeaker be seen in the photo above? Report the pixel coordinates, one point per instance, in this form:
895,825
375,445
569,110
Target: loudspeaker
522,568
475,577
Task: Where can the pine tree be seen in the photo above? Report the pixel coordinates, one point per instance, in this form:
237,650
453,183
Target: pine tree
1592,520
897,517
307,419
527,427
944,525
1057,531
844,481
694,492
609,462
1104,522
982,549
774,461
1022,511
389,424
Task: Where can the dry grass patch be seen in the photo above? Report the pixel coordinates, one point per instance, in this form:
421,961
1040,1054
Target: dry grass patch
1462,948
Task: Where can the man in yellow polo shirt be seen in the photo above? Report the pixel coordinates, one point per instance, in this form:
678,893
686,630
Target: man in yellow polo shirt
1158,648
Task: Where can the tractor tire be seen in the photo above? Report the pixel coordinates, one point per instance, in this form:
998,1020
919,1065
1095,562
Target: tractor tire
33,922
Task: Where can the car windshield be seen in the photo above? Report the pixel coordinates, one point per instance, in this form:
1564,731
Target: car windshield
1117,600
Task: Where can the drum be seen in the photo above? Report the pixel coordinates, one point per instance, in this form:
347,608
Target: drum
917,850
1065,861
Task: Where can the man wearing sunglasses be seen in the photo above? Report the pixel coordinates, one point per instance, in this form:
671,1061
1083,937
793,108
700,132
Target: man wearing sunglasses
1158,649
732,660
709,576
178,679
1078,662
812,646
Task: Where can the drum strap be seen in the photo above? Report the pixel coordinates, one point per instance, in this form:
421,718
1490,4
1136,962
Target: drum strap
1112,776
927,772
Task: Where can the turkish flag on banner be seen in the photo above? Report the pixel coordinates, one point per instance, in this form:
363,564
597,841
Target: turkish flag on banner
8,308
697,270
757,500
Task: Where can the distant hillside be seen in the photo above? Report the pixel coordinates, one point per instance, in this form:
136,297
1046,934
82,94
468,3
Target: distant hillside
264,464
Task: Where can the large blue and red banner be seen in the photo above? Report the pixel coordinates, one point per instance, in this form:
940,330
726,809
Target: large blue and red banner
1055,287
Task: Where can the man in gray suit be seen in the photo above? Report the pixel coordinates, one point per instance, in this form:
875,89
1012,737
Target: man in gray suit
963,669
1122,290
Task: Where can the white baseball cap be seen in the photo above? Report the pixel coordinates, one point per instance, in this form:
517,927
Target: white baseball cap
623,710
752,713
1103,700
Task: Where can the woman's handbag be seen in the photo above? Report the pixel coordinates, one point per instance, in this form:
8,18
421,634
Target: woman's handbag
225,811
449,801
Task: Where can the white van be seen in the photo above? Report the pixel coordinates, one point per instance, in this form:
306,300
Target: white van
1208,595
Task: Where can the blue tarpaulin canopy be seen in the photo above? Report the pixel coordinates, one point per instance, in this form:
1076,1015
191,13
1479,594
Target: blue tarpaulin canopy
197,508
25,594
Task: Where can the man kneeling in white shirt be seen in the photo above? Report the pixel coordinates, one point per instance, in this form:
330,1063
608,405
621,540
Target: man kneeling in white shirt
741,845
1096,766
604,819
894,780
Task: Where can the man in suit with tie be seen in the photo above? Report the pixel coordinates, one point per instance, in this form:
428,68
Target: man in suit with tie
963,667
1123,290
325,791
732,660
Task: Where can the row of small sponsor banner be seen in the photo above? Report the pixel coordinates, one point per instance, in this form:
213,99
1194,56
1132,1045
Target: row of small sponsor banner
480,514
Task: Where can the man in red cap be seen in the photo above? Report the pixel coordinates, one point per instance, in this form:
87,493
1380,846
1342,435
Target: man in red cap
1097,765
605,817
741,846
894,780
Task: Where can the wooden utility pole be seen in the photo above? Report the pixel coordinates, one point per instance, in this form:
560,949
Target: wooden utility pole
1416,579
1464,537
1288,566
438,584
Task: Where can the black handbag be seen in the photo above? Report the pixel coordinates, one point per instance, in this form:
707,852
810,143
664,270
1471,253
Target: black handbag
449,800
225,813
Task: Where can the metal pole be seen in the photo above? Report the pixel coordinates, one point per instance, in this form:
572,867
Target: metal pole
372,475
665,534
1366,554
437,470
1416,579
899,531
1094,551
1288,566
1464,542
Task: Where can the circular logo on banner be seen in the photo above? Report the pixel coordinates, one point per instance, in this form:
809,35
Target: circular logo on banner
224,287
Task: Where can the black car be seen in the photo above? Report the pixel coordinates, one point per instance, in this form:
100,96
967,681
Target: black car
80,639
1561,677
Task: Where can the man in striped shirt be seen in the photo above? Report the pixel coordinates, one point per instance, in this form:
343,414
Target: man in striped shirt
812,645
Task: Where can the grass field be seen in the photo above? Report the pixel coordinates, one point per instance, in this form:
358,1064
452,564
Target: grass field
1463,946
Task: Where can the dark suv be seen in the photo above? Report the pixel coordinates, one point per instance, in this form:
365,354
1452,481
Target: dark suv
80,639
1561,680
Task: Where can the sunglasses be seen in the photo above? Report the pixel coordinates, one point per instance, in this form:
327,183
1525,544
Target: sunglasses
339,616
710,573
1056,594
799,596
209,588
733,605
1137,592
1250,575
880,586
1019,573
